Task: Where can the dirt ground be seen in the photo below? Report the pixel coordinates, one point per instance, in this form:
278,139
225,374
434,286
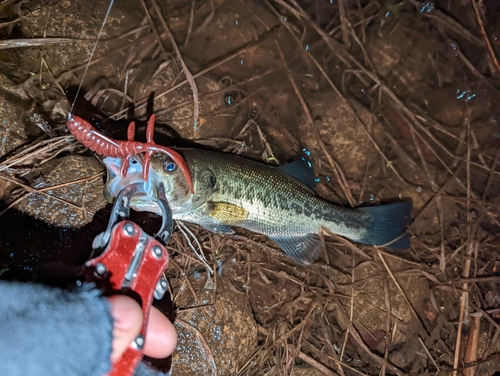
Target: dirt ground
394,100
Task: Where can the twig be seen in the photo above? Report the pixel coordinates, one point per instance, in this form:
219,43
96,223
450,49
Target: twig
187,73
442,256
471,244
485,36
34,42
7,23
472,344
491,175
428,353
207,19
190,27
343,22
387,301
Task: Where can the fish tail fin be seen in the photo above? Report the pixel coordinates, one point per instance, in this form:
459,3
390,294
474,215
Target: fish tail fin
388,224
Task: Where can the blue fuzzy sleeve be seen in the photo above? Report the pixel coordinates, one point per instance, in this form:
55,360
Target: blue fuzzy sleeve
50,331
47,331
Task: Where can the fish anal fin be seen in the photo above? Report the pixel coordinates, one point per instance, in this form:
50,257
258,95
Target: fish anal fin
226,213
302,170
303,249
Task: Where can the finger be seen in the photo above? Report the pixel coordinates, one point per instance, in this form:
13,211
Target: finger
161,336
127,315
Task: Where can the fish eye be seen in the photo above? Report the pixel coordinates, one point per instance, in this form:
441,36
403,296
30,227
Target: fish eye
170,166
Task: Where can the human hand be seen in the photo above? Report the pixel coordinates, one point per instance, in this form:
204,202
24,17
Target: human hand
161,337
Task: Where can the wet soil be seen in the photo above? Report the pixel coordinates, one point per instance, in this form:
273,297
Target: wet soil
395,100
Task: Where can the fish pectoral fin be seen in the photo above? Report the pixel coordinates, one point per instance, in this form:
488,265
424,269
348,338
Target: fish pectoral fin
226,213
217,227
303,249
203,217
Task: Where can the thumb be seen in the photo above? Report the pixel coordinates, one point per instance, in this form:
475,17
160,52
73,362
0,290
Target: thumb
127,316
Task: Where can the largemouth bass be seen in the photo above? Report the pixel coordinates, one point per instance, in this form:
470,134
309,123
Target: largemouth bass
279,202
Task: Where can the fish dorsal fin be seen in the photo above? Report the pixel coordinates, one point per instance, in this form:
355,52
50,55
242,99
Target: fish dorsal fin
228,214
303,249
302,170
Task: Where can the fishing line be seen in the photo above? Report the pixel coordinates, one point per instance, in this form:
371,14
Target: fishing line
90,58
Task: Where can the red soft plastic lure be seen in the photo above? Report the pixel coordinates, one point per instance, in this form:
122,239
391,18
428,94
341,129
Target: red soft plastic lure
108,147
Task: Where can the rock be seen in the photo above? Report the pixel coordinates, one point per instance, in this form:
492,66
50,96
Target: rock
222,335
343,136
72,205
12,132
405,354
411,59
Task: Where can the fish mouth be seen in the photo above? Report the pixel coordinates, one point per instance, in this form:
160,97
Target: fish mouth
115,183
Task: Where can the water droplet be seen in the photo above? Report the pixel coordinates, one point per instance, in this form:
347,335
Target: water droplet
283,18
418,189
466,95
317,180
371,197
387,14
241,62
427,7
219,267
306,152
328,178
229,100
307,47
237,22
